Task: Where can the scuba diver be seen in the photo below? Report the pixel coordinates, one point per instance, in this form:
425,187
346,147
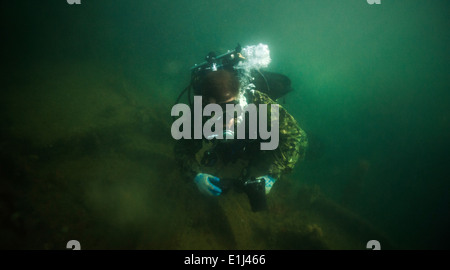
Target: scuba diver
219,162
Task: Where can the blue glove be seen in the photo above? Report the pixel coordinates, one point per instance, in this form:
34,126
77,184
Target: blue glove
205,183
270,181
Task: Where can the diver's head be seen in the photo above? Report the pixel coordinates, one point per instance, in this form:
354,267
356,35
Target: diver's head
220,86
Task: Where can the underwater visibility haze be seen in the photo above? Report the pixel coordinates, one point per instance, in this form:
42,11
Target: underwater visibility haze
86,151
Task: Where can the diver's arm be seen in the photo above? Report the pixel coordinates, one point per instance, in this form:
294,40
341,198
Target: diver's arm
185,151
292,140
292,145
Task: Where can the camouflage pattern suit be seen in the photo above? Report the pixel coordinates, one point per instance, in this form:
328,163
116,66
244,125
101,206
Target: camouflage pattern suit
249,160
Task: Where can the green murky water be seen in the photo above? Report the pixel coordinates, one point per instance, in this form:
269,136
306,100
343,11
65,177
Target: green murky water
85,144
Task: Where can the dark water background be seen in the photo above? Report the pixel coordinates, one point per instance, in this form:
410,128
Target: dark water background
87,91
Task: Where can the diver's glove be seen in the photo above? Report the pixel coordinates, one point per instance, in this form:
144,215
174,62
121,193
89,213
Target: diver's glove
206,184
269,180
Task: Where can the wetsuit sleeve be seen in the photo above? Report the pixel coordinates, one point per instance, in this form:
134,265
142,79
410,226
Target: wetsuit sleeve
185,151
293,140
